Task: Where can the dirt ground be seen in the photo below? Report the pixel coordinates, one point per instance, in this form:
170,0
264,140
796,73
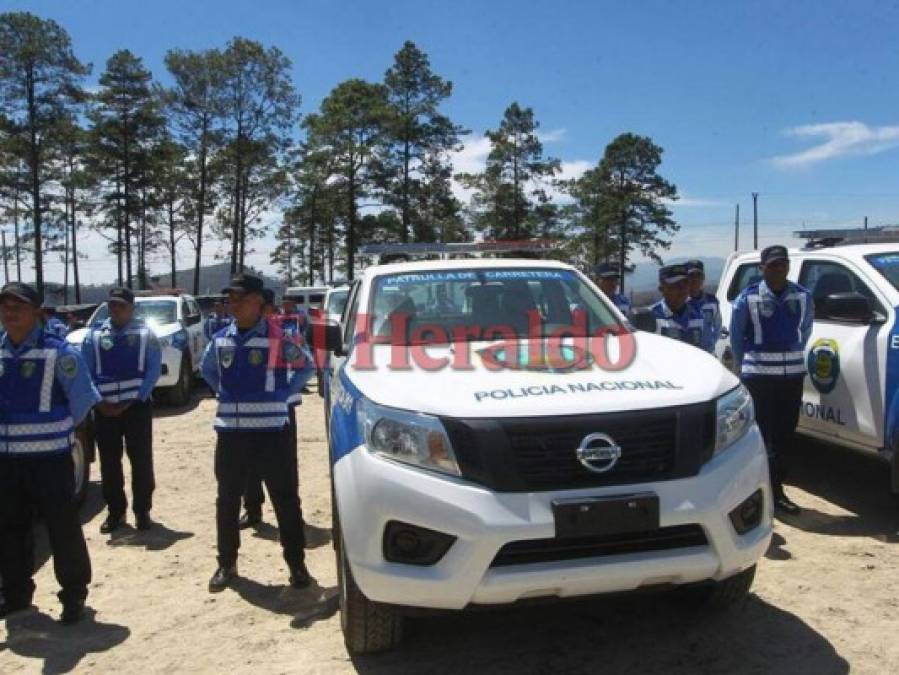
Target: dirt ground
826,599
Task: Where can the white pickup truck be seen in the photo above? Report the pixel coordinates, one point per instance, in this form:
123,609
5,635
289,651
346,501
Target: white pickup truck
851,395
471,468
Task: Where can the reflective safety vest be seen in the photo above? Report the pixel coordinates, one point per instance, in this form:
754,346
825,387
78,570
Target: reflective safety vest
773,343
686,325
120,360
622,302
708,308
253,390
34,412
215,323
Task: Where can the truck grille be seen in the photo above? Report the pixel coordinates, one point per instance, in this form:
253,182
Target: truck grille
539,453
553,550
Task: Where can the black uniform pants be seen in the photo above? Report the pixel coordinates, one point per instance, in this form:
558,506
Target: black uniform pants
253,496
130,432
777,401
42,485
272,455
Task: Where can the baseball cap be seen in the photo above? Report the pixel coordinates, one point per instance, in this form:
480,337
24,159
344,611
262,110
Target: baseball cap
695,266
670,274
245,283
119,294
773,253
606,270
20,291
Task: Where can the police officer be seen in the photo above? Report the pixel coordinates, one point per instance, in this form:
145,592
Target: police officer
52,324
293,320
125,360
675,317
769,328
216,320
255,373
45,392
608,278
705,303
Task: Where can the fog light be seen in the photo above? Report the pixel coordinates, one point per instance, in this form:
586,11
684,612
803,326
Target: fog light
748,515
413,545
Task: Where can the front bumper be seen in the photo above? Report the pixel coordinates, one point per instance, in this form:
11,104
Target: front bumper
372,491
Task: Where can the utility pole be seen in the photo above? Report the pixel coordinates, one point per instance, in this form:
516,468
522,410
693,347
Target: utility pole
866,229
755,220
736,227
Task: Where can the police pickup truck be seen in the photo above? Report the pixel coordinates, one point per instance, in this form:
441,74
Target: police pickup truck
498,432
851,395
176,320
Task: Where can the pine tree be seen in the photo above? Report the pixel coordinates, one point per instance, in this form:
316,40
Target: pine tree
39,85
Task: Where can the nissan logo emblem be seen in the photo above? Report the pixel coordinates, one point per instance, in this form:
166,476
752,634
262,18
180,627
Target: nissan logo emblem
598,453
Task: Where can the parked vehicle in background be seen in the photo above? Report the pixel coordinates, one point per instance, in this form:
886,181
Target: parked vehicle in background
307,297
851,394
176,320
332,310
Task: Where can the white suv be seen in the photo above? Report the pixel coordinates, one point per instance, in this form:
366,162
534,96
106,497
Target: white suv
627,462
851,394
177,322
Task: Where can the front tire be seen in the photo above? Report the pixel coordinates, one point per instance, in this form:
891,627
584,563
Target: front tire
179,394
368,627
82,466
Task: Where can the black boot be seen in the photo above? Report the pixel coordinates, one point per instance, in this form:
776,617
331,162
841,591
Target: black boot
112,523
249,519
8,607
299,576
72,612
784,504
142,521
222,577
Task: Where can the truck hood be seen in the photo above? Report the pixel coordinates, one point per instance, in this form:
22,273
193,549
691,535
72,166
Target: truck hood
663,373
76,337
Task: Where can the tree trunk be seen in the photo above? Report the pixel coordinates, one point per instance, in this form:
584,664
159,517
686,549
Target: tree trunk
34,161
15,218
65,255
351,224
172,237
406,152
201,205
75,276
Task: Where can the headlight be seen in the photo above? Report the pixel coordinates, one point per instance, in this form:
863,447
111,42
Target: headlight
735,415
411,438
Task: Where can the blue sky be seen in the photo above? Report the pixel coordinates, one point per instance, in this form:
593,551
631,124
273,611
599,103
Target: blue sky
796,101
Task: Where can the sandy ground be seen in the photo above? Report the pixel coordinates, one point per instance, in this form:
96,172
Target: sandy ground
826,599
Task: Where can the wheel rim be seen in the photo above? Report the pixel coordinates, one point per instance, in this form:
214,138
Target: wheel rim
79,462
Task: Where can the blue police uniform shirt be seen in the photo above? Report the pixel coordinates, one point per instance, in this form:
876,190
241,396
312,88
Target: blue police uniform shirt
769,331
293,324
622,302
707,306
214,324
125,362
257,374
56,327
45,392
685,325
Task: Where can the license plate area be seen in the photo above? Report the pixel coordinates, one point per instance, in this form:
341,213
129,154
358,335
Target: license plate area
602,516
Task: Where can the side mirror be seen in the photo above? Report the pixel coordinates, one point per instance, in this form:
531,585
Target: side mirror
848,307
643,319
327,335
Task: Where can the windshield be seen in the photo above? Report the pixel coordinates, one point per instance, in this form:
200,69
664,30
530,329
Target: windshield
484,304
888,265
337,302
155,312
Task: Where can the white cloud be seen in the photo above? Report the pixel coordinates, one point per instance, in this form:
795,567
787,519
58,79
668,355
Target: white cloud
693,202
551,136
838,139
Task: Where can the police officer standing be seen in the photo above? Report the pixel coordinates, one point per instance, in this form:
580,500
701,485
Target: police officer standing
52,324
217,320
125,360
293,320
769,328
675,317
256,373
705,303
608,278
45,392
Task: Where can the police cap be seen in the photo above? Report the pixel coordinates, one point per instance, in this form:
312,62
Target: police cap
671,274
123,295
695,267
606,271
773,253
21,292
245,283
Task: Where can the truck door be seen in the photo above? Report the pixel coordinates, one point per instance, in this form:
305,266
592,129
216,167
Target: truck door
843,393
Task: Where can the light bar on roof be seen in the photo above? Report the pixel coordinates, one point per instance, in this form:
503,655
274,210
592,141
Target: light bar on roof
890,232
458,248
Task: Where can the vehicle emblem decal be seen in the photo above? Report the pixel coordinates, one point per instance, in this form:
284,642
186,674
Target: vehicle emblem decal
598,453
824,364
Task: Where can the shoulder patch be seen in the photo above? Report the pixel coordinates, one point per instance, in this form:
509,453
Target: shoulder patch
67,365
